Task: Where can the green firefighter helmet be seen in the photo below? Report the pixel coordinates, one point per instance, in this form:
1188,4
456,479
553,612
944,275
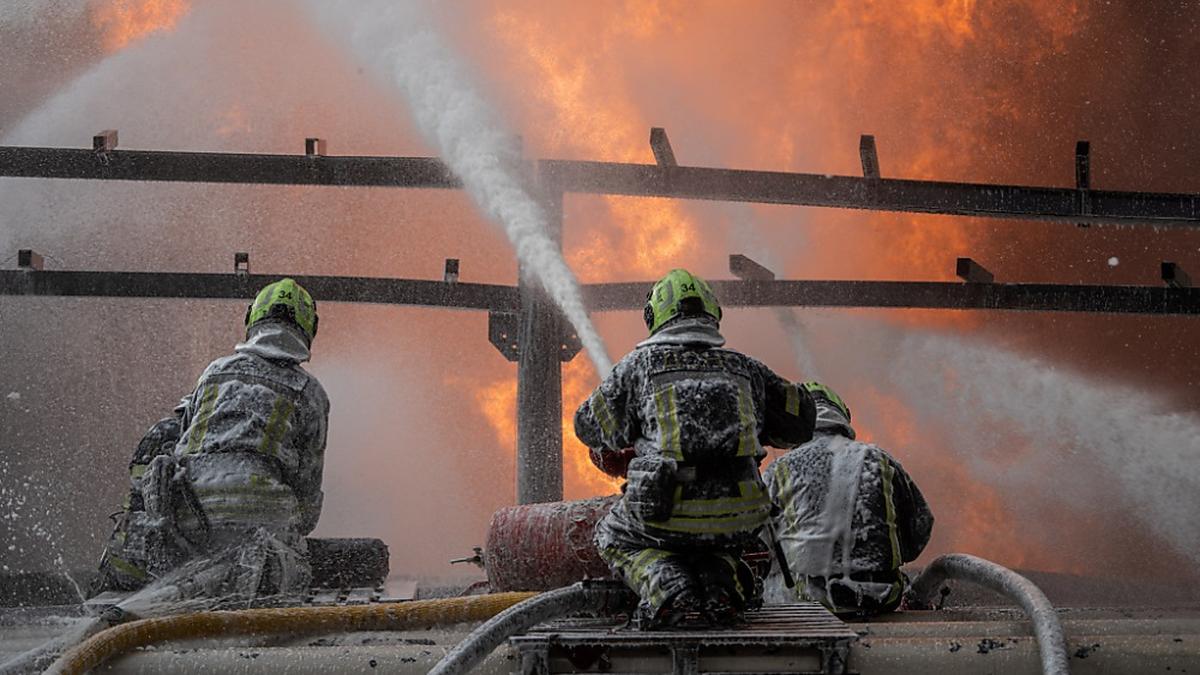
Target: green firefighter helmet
832,412
285,299
679,293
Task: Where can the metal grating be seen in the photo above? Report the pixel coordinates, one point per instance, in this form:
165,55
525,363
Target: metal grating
789,638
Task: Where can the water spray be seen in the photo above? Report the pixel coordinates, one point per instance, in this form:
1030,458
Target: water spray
399,41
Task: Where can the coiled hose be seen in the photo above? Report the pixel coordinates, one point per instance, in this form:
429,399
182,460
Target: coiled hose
280,621
1052,644
575,599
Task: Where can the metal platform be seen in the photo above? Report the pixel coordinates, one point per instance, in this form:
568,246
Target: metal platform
803,638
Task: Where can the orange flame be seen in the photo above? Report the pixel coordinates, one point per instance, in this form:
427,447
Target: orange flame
124,21
802,111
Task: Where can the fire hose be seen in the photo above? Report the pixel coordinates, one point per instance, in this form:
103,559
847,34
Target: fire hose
124,637
576,599
1052,645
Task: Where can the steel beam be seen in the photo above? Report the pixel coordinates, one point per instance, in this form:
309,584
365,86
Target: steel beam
1152,300
1148,300
645,180
876,194
243,286
219,167
539,379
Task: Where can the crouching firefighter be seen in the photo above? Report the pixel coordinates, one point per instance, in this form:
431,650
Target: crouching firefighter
120,570
684,421
233,498
847,516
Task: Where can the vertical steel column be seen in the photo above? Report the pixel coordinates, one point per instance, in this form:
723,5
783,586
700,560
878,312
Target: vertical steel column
539,377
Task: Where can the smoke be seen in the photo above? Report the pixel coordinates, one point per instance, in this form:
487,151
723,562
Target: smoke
93,373
746,236
1062,440
399,40
1070,420
402,469
25,13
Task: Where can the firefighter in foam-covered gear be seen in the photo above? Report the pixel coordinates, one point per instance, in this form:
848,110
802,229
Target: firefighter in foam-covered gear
847,515
122,570
684,421
248,462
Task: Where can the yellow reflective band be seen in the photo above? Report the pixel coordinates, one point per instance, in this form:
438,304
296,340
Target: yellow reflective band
127,567
792,405
200,425
273,435
137,470
897,586
640,568
890,509
709,525
245,491
747,439
785,493
733,573
668,422
752,499
603,415
637,568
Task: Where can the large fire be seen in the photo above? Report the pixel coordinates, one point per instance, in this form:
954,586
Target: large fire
121,22
796,117
791,87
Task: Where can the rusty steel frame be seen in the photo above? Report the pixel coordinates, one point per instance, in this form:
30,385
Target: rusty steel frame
1074,205
1145,300
541,327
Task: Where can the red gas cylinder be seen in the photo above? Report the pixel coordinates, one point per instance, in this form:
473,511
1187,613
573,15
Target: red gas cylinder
538,547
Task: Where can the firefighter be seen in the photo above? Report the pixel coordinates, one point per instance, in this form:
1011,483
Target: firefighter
119,570
242,483
684,421
847,516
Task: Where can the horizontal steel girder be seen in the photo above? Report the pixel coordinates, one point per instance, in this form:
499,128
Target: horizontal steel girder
221,167
243,286
623,296
768,187
920,295
876,194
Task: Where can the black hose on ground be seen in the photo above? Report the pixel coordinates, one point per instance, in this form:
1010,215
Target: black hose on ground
1052,644
578,598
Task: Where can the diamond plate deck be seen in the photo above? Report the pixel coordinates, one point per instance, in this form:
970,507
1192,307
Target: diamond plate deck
802,638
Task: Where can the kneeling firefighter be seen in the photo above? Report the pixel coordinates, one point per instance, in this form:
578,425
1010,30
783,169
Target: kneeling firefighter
241,486
121,570
847,515
684,421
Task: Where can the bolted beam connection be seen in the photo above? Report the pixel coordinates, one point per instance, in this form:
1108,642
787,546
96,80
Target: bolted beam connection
972,272
504,334
503,328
